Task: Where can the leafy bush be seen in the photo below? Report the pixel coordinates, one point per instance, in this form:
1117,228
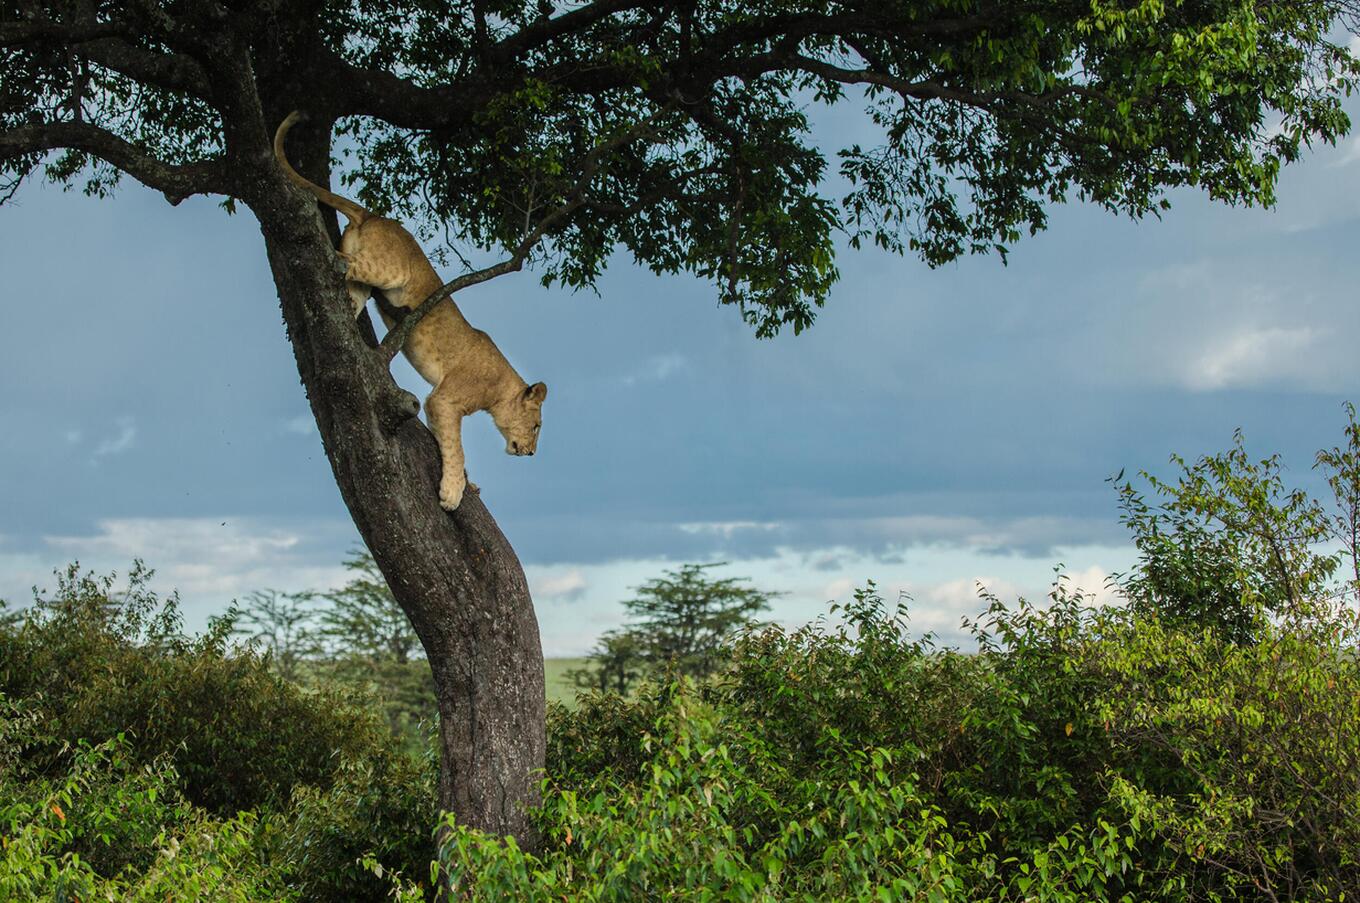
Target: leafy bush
1228,545
108,829
222,735
1083,753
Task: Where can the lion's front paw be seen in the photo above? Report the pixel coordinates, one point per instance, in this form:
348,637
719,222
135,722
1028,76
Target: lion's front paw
451,494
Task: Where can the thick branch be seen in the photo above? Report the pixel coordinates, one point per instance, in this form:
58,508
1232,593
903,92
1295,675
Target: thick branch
545,31
17,34
172,71
927,89
175,182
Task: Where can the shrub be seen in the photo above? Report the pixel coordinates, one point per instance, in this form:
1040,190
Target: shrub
108,829
222,734
1084,753
100,663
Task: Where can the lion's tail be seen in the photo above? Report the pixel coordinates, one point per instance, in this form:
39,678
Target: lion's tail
351,210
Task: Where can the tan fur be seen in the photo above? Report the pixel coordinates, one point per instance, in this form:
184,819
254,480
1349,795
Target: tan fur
467,370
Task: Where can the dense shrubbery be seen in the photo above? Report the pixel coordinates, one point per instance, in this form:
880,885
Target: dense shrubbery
149,741
1082,755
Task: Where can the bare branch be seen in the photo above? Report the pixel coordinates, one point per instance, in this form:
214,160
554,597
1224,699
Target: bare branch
175,182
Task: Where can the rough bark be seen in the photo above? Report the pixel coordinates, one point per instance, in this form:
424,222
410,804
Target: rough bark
454,575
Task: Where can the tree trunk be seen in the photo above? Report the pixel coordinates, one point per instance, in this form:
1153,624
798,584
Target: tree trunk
455,575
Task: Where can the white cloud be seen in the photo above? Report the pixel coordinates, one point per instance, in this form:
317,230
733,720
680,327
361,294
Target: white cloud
568,584
1209,327
120,442
726,529
1095,583
210,561
1253,356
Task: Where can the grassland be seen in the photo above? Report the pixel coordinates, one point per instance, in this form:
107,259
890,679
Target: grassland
558,688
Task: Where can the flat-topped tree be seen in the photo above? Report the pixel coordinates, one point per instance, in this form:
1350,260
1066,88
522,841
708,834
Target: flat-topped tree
675,130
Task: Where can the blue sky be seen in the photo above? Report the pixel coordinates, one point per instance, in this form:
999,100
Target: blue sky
934,429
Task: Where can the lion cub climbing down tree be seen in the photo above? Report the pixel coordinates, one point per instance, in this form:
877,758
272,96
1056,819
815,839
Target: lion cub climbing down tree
467,370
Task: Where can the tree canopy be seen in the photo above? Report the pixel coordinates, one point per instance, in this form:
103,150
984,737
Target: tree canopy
679,129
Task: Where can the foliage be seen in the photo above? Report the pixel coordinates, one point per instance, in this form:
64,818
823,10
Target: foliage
193,744
377,809
109,829
356,636
615,663
372,646
281,623
102,663
682,622
1227,545
1084,753
679,131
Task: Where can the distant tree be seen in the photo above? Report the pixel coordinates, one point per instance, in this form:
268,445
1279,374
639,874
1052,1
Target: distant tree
363,619
614,664
370,643
284,625
558,136
1226,543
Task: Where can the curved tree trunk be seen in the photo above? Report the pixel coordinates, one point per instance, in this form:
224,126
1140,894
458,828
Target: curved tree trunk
455,575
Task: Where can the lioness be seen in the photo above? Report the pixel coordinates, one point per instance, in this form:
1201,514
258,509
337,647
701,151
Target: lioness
467,370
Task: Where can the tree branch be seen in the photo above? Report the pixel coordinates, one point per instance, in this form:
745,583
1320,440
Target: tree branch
17,34
575,197
112,45
175,182
547,30
928,89
172,71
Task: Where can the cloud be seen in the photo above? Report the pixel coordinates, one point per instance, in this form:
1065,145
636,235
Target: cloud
1218,326
210,561
1253,356
120,442
570,584
657,368
726,529
1096,584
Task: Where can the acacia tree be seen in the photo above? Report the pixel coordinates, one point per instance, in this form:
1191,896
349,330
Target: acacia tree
674,129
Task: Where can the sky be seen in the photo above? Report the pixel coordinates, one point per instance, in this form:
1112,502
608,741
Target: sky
936,431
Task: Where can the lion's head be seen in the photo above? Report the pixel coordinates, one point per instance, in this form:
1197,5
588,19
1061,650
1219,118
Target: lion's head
519,419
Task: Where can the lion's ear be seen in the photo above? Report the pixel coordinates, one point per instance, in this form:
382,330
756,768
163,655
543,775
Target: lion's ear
536,393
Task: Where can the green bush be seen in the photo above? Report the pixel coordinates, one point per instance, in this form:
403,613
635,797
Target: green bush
1084,753
109,829
223,734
